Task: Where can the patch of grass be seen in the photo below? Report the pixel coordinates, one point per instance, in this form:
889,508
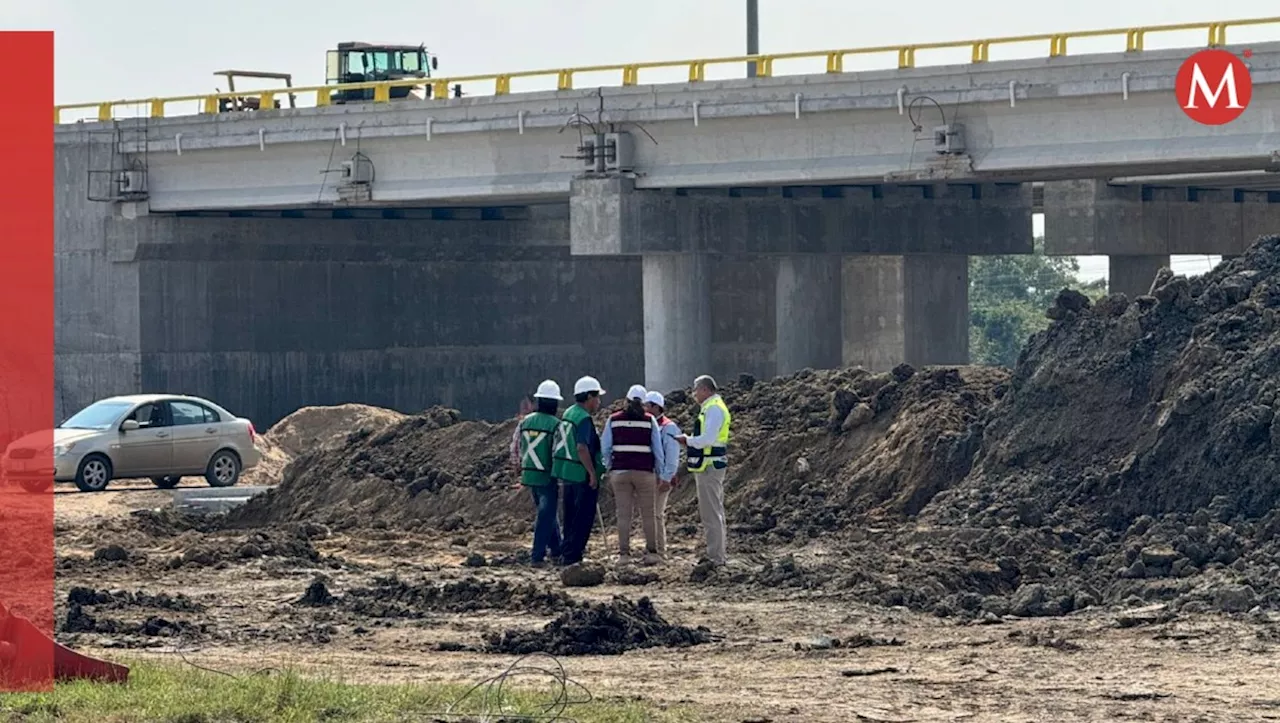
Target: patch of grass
174,694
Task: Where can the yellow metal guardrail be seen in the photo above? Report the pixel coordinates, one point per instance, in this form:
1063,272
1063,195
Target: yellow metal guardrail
980,49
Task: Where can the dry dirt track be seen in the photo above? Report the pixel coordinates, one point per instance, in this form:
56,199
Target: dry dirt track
1080,667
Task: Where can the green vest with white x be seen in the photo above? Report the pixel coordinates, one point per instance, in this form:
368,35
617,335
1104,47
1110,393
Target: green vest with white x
537,431
568,468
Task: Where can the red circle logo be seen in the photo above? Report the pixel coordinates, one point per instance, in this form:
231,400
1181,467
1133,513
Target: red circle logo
1213,87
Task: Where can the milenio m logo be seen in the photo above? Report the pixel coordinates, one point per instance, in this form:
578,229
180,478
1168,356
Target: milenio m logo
1214,86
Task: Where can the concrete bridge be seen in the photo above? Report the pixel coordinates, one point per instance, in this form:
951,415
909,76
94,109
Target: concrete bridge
475,245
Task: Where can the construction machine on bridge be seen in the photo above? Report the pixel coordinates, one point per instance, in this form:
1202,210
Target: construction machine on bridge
351,62
356,62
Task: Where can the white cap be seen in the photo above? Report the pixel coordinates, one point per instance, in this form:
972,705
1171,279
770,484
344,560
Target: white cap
636,392
656,398
587,384
548,390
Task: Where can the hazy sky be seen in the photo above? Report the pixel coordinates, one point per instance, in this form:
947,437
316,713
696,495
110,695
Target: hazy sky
143,48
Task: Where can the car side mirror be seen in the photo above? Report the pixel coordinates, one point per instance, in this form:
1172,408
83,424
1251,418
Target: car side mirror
129,425
435,63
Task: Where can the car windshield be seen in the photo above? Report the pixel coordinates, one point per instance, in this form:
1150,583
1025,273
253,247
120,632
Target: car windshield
99,415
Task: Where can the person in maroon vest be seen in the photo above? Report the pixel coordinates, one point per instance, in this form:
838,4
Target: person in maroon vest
632,449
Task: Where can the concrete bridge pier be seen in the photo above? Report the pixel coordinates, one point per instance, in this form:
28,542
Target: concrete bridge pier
808,312
677,319
1139,226
912,309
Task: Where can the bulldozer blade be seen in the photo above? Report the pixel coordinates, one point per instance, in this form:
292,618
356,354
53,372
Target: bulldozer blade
29,658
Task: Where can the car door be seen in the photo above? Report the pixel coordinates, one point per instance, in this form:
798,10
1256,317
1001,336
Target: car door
196,436
147,450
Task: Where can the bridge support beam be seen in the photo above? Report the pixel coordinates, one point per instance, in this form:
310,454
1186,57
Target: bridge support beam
912,309
1140,226
609,216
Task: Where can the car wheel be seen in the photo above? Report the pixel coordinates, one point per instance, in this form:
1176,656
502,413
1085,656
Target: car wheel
94,473
36,486
166,483
223,470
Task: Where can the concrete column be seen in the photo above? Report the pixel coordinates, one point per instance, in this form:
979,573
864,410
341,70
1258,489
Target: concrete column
808,318
912,309
677,320
1132,275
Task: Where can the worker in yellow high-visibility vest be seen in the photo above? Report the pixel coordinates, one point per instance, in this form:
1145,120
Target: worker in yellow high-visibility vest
706,457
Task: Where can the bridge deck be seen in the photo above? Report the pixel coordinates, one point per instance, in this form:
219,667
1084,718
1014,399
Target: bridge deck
1047,119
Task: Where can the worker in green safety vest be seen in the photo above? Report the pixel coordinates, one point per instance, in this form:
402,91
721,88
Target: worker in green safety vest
579,465
537,432
706,456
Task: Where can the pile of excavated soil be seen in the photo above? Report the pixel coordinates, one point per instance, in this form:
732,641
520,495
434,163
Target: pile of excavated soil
1129,408
822,451
1133,458
601,629
395,598
312,428
430,469
309,429
811,452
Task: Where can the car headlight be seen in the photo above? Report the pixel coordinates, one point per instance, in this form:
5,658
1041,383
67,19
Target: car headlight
61,449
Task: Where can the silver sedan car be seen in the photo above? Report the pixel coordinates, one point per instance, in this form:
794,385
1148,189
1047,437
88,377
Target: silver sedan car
161,436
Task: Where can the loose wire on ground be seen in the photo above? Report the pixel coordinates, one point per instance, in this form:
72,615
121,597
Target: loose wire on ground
491,694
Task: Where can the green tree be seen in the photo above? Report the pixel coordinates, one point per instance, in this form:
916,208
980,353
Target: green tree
1008,296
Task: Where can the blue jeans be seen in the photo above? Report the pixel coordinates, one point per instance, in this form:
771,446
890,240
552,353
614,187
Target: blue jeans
546,530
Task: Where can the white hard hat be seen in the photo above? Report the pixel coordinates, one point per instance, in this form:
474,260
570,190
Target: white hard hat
587,384
656,398
636,392
548,390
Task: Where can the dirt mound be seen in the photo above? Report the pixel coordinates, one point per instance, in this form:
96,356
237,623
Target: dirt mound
1133,459
312,428
821,451
428,469
309,429
601,629
811,452
395,598
79,619
212,551
1129,408
123,599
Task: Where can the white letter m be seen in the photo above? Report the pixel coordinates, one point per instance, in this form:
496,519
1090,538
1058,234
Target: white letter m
1198,81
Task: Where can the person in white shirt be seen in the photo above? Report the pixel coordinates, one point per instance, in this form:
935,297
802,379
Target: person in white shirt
655,404
706,457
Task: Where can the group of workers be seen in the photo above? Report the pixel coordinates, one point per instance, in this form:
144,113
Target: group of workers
637,452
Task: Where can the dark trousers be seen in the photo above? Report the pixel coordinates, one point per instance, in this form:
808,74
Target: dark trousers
546,533
579,518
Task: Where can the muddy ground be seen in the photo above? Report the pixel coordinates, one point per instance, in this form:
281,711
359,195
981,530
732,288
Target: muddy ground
407,607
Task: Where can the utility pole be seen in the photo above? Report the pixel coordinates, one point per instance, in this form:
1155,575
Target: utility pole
753,34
